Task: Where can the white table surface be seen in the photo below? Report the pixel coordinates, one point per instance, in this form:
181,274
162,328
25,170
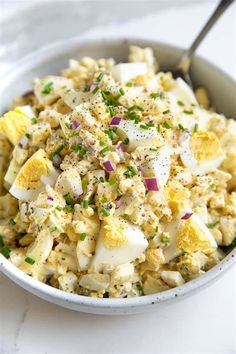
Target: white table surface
204,323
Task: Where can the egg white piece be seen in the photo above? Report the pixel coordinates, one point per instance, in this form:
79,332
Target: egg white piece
195,166
159,166
12,172
27,110
172,251
183,92
132,249
94,281
138,136
34,175
127,71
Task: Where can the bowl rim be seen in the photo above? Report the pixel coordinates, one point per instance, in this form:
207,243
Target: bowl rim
43,290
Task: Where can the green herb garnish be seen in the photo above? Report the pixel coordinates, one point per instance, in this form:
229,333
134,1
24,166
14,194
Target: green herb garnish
53,228
85,182
180,103
129,84
155,94
165,239
82,236
29,260
85,204
5,251
186,111
12,222
112,111
57,151
119,192
34,121
195,129
125,141
95,90
1,241
122,92
101,179
130,171
212,225
79,148
105,212
59,208
167,125
140,289
69,208
111,133
112,181
48,88
100,77
181,127
165,112
158,128
69,200
105,151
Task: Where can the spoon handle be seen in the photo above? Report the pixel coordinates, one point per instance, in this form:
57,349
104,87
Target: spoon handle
187,56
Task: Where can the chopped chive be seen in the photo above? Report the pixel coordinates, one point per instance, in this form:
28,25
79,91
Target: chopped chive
48,88
186,111
129,84
68,126
82,236
29,260
95,90
1,241
181,127
112,111
79,148
125,141
105,151
27,135
69,200
140,289
12,222
103,200
143,126
102,142
85,182
34,121
122,92
195,129
165,239
212,225
180,103
233,243
167,125
101,179
85,204
130,171
69,208
134,116
135,107
153,149
57,151
158,128
165,112
112,181
100,77
53,228
5,251
111,133
105,212
119,192
155,94
59,208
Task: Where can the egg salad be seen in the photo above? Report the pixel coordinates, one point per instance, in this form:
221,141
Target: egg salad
116,180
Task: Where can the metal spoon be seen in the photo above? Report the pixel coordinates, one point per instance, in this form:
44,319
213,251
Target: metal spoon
182,68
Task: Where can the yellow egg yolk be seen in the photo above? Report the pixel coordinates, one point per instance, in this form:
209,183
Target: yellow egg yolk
30,175
178,197
13,125
114,234
191,238
205,146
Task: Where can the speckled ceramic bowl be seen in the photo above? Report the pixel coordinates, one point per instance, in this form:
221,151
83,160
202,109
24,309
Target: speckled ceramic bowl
50,61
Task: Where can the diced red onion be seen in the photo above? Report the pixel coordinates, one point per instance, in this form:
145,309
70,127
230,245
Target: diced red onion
151,184
186,216
115,121
57,160
75,125
23,142
120,147
118,202
50,199
108,166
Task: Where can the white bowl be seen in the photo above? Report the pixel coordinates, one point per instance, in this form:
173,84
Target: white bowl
50,61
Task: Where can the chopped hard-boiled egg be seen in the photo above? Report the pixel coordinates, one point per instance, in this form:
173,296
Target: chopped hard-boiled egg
159,166
127,71
188,235
33,176
12,172
41,248
118,242
94,281
14,124
138,136
69,181
183,92
201,152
